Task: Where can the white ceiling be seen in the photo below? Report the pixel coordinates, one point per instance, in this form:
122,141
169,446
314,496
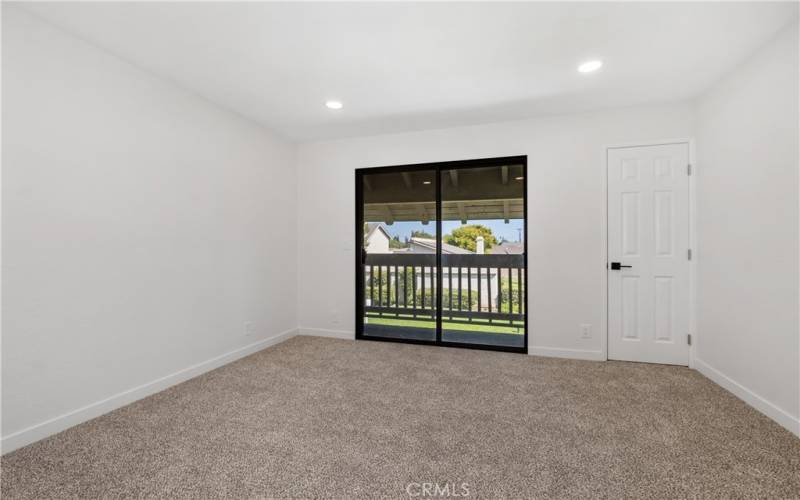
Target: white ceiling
410,66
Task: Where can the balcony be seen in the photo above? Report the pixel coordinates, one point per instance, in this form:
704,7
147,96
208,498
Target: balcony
482,297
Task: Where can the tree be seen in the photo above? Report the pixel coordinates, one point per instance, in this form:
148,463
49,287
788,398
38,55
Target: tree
396,243
465,237
422,234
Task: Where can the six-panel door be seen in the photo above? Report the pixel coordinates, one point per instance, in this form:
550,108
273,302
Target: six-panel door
648,230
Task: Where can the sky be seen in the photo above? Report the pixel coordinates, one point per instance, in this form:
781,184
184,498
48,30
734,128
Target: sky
499,228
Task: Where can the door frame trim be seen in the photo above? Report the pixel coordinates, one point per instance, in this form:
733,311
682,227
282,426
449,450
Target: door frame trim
359,236
690,142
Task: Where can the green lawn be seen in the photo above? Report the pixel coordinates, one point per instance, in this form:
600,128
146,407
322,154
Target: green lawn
475,326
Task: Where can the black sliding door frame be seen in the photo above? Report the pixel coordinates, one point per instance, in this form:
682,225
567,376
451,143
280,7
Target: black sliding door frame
360,253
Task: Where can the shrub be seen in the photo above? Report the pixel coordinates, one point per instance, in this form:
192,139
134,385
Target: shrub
406,289
513,297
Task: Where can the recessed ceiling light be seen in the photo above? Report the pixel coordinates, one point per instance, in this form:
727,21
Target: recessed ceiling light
519,178
334,104
590,66
426,182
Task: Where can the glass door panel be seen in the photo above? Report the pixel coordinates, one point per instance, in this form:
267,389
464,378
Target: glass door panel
483,255
398,260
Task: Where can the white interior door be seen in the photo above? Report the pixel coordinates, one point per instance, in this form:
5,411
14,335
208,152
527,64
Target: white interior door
648,235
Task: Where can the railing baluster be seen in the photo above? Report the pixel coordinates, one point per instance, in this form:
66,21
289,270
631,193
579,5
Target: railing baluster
480,304
499,292
414,289
450,290
422,283
396,289
510,295
489,289
459,288
434,291
380,287
405,286
469,290
519,288
371,285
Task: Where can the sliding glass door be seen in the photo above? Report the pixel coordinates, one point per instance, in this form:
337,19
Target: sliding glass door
442,255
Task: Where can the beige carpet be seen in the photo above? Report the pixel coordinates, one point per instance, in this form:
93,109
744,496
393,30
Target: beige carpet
317,417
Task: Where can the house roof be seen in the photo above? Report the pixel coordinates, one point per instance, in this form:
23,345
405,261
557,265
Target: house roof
373,226
508,248
446,248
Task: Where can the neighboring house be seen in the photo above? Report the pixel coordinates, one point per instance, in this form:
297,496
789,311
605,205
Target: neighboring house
425,245
377,238
508,248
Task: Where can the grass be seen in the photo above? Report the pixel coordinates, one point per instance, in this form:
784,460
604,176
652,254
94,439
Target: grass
475,326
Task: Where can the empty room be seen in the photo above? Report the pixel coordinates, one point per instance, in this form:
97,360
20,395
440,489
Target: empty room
294,250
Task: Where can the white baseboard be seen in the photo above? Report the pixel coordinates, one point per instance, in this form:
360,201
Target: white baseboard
322,332
552,352
557,352
774,412
62,422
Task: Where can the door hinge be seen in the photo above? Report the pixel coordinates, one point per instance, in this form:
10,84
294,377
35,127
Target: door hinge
689,169
689,339
689,253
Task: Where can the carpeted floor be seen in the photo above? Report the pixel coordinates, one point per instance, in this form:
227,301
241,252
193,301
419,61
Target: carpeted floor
316,417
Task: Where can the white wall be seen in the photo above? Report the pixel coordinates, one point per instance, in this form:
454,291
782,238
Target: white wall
142,227
566,200
747,147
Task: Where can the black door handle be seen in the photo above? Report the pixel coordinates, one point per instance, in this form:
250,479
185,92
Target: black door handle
616,266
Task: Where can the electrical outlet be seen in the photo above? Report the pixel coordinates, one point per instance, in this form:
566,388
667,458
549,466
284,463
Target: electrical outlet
335,319
586,331
249,328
